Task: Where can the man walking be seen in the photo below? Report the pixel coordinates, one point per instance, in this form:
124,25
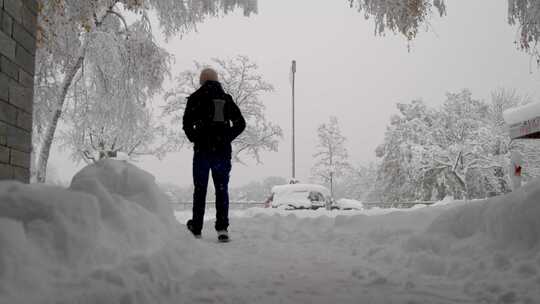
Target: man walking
211,121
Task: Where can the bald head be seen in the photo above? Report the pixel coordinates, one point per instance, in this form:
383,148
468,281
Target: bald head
208,74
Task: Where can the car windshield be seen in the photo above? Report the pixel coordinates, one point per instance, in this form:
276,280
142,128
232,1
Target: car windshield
315,196
293,197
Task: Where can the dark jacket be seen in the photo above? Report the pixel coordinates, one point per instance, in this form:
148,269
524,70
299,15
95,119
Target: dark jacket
212,120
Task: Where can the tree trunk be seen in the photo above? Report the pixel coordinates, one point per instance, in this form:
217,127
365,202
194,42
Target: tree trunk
332,184
45,150
462,183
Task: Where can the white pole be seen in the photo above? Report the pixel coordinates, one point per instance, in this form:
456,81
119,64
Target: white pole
293,135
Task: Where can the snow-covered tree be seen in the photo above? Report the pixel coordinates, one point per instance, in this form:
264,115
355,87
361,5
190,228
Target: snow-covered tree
398,175
407,17
256,191
69,32
357,183
462,146
460,149
402,16
110,110
269,182
526,15
241,79
100,128
331,154
177,194
251,192
445,151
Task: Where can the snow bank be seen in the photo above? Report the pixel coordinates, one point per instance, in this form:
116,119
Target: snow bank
110,238
510,220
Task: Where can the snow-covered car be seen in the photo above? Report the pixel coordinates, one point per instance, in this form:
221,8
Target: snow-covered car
349,204
300,196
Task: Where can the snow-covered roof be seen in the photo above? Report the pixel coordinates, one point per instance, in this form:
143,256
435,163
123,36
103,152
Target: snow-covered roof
524,121
281,189
519,114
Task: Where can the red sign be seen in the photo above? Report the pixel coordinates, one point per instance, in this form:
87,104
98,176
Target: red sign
517,171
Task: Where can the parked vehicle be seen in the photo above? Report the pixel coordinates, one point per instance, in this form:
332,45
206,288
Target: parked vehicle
349,204
300,196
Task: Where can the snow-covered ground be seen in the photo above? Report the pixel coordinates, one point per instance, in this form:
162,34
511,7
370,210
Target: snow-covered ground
111,238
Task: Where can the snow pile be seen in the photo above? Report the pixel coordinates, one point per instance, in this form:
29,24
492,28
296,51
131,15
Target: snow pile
110,238
447,200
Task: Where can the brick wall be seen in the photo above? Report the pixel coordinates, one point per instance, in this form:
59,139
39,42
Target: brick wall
17,50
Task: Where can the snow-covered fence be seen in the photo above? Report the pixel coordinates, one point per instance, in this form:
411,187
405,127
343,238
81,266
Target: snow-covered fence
403,205
17,49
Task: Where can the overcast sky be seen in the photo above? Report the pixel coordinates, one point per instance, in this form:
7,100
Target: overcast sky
346,71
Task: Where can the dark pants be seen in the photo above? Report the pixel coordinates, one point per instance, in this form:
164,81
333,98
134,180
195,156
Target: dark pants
203,163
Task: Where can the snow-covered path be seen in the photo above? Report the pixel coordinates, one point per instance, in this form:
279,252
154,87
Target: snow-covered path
344,259
290,265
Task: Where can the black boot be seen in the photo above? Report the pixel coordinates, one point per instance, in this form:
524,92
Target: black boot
196,234
223,236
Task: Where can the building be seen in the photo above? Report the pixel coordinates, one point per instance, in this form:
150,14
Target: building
18,19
